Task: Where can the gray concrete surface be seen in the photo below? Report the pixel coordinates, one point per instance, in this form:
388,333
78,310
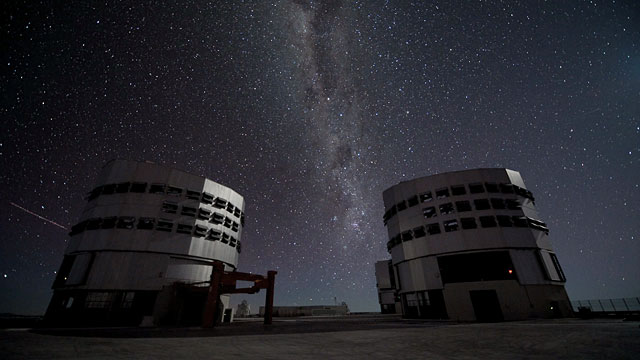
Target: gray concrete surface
371,337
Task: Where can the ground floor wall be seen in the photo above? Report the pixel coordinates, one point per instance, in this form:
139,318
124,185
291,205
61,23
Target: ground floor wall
181,304
505,300
388,301
99,308
177,304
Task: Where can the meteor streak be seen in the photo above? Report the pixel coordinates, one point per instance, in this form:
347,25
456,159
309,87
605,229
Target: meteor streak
38,216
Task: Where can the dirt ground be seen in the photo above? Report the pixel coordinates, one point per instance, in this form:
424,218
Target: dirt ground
353,337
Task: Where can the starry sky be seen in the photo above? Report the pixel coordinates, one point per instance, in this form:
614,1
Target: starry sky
310,109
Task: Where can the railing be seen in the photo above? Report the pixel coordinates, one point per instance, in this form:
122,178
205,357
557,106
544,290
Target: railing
622,305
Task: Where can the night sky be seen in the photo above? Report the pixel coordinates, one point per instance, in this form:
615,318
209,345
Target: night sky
310,110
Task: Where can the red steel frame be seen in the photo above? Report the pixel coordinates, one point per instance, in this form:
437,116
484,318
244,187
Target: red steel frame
222,282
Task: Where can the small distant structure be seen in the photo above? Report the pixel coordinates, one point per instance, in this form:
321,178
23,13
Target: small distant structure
315,310
244,309
386,283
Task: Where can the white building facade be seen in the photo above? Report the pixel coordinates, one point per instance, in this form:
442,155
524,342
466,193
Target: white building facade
144,227
470,246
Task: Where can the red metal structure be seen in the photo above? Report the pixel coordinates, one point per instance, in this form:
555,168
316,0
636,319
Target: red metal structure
223,282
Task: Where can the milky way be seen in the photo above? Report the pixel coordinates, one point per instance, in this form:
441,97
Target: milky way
310,110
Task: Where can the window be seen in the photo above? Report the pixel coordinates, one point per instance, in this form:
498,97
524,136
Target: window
481,204
126,222
506,188
388,214
109,222
122,188
95,193
184,229
429,212
433,229
450,225
468,223
520,191
442,193
227,222
497,203
237,212
109,189
200,231
239,247
138,187
458,190
407,235
491,187
98,300
393,242
188,211
156,189
204,214
164,225
195,195
170,207
127,299
78,228
401,206
232,241
413,201
93,224
217,218
513,204
80,270
234,226
220,203
146,223
230,207
538,225
463,206
520,221
556,264
426,196
476,188
504,221
393,210
174,191
242,219
488,221
225,238
419,232
390,245
446,209
482,266
528,194
214,235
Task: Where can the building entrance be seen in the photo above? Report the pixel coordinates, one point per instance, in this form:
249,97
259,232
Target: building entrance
486,305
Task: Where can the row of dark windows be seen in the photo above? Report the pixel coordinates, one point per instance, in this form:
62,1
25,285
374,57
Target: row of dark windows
467,223
465,205
146,223
456,190
164,189
482,266
213,217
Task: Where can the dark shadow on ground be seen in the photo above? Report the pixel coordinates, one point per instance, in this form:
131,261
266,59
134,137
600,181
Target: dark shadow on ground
279,326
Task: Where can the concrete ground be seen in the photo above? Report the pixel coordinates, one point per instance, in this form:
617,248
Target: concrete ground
353,337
